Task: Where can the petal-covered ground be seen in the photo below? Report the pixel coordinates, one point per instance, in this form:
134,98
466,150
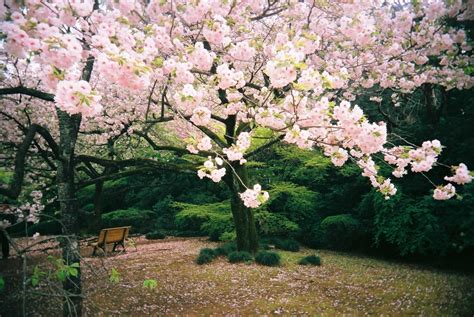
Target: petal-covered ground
343,284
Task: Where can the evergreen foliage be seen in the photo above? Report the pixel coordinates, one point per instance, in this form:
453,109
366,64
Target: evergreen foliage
205,256
267,258
226,248
155,235
139,220
239,256
310,260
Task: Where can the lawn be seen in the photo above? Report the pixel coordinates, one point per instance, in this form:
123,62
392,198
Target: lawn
343,284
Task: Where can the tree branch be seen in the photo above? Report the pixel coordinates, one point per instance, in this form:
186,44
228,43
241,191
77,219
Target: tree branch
265,146
27,91
13,191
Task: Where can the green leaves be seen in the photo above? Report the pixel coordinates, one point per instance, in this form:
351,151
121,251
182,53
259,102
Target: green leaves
114,276
63,271
150,284
2,283
38,274
58,270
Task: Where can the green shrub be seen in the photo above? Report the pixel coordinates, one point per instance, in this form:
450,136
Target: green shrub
267,258
225,249
204,218
206,255
140,220
422,225
297,203
239,256
280,243
217,225
187,233
165,213
315,237
271,224
341,231
310,260
88,208
155,235
228,236
287,244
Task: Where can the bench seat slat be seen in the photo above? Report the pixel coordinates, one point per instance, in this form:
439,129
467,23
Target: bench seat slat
111,235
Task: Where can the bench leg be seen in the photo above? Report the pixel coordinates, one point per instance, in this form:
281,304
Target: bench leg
116,244
96,247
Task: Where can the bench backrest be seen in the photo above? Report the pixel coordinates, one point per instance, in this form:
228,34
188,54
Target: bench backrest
111,235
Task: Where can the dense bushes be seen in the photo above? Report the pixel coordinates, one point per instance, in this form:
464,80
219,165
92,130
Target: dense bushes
287,244
267,258
226,248
155,235
310,260
296,203
165,213
280,243
140,220
425,226
205,256
271,224
340,231
214,218
239,256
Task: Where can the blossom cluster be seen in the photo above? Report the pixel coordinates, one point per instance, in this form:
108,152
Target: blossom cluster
420,159
77,97
254,197
31,210
204,144
207,61
237,150
229,78
212,169
461,175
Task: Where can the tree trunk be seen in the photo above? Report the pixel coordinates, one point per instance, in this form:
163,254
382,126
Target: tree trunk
243,217
433,109
5,245
97,220
69,128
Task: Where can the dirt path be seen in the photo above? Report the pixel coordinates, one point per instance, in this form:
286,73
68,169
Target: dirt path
343,284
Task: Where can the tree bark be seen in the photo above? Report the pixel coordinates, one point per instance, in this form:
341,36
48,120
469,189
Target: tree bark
69,128
97,221
433,110
5,245
244,219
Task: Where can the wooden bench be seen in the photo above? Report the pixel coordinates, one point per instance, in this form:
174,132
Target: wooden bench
116,236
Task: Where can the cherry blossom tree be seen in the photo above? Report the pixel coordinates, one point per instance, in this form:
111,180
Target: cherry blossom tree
229,78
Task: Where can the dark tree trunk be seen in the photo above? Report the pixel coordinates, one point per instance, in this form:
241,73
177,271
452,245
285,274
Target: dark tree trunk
244,219
96,222
69,128
434,106
5,245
